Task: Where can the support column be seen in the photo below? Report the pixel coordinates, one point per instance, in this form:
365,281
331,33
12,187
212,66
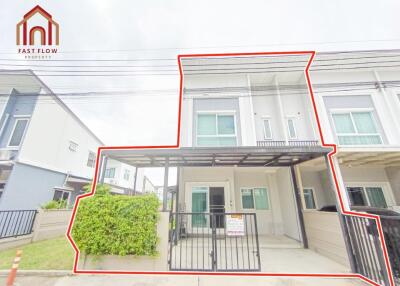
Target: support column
299,207
135,182
165,190
342,220
102,169
177,223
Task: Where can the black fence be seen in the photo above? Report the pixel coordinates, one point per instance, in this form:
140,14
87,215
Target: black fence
367,250
15,223
391,231
214,242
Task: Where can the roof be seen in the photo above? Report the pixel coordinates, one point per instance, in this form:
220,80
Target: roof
218,156
33,77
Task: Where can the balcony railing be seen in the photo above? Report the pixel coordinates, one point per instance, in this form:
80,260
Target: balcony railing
282,143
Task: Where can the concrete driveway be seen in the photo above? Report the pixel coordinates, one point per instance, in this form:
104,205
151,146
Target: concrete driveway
36,279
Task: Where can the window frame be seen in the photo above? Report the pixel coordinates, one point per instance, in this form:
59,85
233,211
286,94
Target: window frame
268,119
254,200
216,114
109,169
314,197
18,118
384,186
73,146
350,112
90,160
126,171
63,191
292,118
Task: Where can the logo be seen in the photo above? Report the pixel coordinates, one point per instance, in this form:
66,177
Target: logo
38,33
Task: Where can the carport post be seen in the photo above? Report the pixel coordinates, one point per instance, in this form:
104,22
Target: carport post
102,168
135,182
177,224
342,220
165,189
299,206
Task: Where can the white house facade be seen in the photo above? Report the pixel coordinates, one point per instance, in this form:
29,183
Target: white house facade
251,159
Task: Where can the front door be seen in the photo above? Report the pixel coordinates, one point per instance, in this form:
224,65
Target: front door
217,205
208,200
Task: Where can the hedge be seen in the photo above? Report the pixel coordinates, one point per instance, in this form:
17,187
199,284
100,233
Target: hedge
117,225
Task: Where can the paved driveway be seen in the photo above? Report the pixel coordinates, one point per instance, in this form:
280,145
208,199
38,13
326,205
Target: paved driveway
174,280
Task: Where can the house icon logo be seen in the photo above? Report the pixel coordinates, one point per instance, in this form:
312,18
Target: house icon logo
38,28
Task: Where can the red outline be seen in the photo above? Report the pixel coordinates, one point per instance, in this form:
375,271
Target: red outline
330,155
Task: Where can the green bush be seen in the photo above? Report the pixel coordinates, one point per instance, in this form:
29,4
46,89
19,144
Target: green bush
117,225
101,189
55,205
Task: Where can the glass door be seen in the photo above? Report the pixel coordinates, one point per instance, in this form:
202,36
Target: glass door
199,205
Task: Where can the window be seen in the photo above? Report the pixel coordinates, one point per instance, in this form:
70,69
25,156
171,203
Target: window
267,129
216,130
367,196
61,195
18,132
127,174
73,146
291,128
309,199
91,159
356,128
109,173
255,198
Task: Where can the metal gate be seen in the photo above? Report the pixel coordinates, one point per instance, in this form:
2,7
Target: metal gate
214,242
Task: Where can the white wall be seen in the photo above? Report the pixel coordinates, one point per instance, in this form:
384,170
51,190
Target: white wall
280,220
287,199
119,179
47,140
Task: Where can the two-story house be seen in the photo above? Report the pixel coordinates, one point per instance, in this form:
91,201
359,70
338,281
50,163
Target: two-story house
46,152
246,126
253,175
358,101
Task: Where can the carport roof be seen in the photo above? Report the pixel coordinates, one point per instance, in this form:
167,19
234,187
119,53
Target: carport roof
217,156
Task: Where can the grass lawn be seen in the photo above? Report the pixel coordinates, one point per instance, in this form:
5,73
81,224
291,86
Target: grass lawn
52,254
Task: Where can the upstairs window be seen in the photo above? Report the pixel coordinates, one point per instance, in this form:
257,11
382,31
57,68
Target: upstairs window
18,132
91,159
216,130
73,146
356,128
109,173
267,129
291,128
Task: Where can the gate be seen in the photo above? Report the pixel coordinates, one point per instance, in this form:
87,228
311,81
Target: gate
224,242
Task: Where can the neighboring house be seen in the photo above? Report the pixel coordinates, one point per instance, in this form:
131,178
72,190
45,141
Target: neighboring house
358,99
46,152
121,178
250,146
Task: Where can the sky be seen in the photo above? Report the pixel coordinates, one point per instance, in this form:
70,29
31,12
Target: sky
142,109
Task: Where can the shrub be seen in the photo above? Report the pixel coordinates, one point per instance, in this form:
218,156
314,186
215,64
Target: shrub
101,189
117,225
55,205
